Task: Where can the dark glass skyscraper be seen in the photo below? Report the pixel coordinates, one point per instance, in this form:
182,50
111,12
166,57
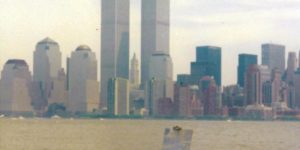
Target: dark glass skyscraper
245,60
208,63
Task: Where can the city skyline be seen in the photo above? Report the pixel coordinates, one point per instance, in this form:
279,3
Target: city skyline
200,27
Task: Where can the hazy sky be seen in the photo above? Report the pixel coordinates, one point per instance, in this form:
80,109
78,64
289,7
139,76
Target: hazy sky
238,26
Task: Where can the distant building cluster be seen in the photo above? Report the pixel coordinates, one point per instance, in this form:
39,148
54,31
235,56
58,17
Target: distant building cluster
147,88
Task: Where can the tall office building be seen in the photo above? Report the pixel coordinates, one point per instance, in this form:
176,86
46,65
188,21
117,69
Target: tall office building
208,63
15,88
134,73
46,67
291,67
273,56
187,100
296,103
276,86
118,96
252,85
161,66
155,34
156,90
245,60
209,95
83,84
114,43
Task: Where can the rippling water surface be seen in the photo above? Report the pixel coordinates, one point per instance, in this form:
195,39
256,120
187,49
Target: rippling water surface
39,134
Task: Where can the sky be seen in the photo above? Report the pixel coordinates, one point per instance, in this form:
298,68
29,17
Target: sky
236,26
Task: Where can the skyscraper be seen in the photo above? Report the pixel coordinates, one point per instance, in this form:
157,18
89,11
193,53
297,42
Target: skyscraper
273,56
208,95
114,43
15,88
244,61
208,63
134,72
46,67
155,34
156,90
118,96
291,67
83,84
161,66
296,103
253,90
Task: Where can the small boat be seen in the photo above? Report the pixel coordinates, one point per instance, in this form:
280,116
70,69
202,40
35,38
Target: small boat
55,117
2,116
177,128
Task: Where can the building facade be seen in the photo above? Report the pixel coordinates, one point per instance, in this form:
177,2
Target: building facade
15,88
83,84
209,96
46,67
291,67
135,73
155,32
208,63
273,56
118,96
114,43
244,61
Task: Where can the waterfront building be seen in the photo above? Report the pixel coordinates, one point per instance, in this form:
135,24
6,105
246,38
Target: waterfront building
58,91
83,84
186,100
296,104
114,43
209,95
253,90
276,85
156,90
118,96
47,60
15,88
233,96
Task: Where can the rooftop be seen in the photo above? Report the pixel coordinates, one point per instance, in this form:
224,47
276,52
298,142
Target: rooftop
47,40
83,48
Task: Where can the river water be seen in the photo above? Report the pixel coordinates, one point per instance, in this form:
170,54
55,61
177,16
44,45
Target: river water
42,134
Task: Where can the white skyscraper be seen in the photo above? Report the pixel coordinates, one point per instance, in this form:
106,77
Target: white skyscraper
155,35
114,43
83,84
46,67
161,66
15,88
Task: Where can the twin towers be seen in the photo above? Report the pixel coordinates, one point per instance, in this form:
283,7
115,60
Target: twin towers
115,33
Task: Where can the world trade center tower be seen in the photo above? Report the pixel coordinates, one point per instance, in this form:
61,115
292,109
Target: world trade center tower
114,43
155,32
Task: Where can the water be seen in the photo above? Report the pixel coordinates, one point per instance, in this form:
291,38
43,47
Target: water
39,134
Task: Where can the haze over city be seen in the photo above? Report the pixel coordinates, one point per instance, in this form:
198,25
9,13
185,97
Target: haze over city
237,27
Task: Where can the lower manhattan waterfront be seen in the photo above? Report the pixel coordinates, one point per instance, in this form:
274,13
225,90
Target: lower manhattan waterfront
67,134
